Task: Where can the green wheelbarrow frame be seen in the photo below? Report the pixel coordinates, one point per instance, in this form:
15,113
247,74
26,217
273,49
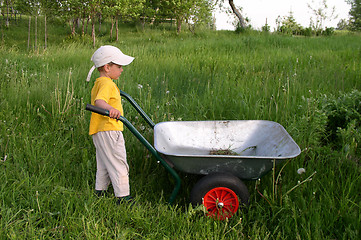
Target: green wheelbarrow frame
142,139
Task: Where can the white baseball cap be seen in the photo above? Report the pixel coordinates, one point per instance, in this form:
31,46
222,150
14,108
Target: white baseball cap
106,54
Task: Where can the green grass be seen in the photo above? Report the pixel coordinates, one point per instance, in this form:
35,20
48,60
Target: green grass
48,160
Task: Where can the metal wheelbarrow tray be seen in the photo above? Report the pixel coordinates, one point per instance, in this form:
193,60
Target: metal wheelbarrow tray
204,147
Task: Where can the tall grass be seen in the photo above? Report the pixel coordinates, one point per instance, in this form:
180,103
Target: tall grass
48,160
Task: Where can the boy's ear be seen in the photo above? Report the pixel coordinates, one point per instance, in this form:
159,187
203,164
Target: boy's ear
106,67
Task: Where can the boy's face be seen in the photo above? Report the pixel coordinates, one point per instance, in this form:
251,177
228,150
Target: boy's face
113,71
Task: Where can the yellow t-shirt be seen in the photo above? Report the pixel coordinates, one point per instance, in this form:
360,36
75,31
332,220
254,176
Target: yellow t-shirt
104,88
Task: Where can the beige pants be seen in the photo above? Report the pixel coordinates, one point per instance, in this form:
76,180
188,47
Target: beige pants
112,163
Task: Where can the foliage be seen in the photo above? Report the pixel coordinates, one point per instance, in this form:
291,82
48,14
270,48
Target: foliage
329,31
355,13
190,11
322,14
343,119
342,24
288,25
266,28
195,11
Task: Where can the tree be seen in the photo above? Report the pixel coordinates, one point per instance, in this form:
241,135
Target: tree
31,7
288,25
94,9
200,14
355,15
9,5
342,24
179,9
48,8
185,10
150,10
235,10
70,11
322,13
126,9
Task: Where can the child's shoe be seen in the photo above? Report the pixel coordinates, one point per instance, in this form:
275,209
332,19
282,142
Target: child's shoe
100,193
126,199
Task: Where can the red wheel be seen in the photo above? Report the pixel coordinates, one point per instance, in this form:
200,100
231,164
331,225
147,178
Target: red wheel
222,194
221,203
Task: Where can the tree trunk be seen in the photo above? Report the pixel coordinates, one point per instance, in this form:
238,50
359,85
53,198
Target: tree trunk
36,34
242,21
93,32
82,26
87,24
73,29
29,30
46,34
117,29
111,28
143,23
71,25
100,22
7,14
155,14
179,25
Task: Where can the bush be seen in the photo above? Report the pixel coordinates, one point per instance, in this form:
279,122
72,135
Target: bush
307,32
343,120
266,28
328,31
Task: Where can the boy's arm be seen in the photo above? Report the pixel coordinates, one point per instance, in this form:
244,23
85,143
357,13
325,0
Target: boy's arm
113,112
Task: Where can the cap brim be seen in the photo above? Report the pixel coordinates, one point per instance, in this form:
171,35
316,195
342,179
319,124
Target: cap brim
124,60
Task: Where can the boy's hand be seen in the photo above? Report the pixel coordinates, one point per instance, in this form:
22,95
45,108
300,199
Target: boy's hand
114,113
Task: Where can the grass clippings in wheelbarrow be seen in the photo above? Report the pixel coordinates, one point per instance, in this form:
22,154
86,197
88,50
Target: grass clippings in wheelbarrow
222,152
228,151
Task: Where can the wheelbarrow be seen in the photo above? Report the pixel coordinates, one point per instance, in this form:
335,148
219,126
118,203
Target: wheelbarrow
225,152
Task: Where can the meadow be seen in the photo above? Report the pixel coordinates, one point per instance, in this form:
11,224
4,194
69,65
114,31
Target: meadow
310,85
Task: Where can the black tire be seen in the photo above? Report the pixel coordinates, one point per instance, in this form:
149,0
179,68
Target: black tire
215,180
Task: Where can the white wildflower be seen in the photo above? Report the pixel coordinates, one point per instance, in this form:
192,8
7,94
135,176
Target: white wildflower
301,170
140,86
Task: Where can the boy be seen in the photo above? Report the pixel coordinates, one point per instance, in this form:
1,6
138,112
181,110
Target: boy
107,134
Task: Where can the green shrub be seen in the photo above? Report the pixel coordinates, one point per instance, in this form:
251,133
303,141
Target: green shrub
343,118
329,31
307,32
